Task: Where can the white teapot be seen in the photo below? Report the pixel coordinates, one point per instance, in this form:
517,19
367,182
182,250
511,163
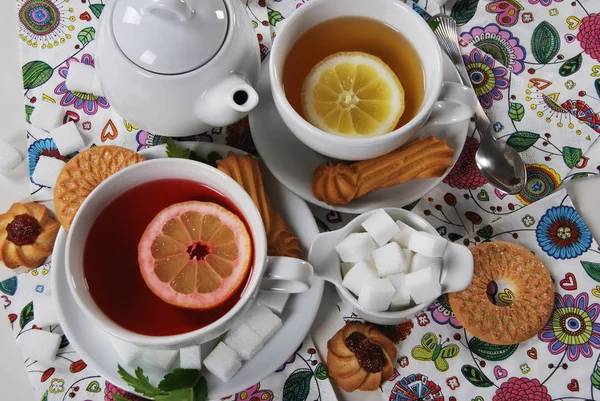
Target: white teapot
178,67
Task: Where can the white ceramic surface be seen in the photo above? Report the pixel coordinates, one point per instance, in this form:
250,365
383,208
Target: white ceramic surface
294,163
94,346
191,91
403,19
282,269
457,267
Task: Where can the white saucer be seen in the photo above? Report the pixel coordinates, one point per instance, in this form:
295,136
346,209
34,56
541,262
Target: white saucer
94,346
293,163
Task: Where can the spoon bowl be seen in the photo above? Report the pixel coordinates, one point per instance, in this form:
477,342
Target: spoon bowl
456,275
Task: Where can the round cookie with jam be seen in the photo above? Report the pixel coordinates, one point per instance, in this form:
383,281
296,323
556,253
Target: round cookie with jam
360,357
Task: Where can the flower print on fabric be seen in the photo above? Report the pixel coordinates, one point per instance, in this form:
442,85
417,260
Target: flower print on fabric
442,313
573,327
562,234
487,78
111,389
589,31
544,3
542,180
44,24
465,174
43,147
522,389
87,102
498,43
255,393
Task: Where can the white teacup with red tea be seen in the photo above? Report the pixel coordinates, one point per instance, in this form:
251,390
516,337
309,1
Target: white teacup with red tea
170,252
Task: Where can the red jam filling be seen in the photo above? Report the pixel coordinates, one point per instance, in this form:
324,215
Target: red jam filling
370,356
23,230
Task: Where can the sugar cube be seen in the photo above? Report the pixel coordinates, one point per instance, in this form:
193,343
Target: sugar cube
9,157
40,345
127,351
403,235
67,138
420,261
190,357
273,300
408,255
44,312
47,170
389,259
163,358
377,295
355,247
80,77
361,274
244,341
96,85
223,362
262,321
381,227
424,285
346,266
427,244
47,115
401,297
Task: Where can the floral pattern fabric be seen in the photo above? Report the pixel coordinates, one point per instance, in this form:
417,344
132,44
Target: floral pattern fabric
536,69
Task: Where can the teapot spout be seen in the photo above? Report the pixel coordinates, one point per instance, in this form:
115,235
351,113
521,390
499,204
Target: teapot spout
226,102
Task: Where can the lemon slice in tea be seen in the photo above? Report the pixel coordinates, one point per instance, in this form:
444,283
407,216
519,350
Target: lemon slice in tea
195,255
353,94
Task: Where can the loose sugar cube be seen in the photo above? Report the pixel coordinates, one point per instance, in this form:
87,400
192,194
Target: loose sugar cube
389,259
361,274
427,244
223,362
273,300
190,357
377,295
67,138
47,170
163,358
44,312
403,235
127,351
424,285
244,341
346,266
381,227
408,255
401,297
420,261
47,116
40,345
355,247
80,77
262,321
96,85
9,157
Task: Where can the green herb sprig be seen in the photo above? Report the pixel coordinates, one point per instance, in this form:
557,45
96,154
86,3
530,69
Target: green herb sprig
177,151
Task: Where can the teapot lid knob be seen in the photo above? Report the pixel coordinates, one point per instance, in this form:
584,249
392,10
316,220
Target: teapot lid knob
169,36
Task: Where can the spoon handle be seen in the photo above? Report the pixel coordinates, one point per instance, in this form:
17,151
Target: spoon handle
448,40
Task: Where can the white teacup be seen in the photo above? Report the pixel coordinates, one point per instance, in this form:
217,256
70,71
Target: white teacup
452,104
268,273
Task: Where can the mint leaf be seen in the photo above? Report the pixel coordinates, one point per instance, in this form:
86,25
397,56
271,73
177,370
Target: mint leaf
140,383
183,394
201,390
174,150
118,397
178,379
212,158
196,157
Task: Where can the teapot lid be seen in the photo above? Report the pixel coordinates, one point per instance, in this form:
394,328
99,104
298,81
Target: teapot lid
170,36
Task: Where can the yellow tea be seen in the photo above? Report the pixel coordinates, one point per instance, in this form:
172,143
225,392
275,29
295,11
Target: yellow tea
355,34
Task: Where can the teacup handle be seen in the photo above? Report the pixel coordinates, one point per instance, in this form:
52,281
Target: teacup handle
288,275
456,103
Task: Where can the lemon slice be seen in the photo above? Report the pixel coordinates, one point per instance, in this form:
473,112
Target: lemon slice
353,94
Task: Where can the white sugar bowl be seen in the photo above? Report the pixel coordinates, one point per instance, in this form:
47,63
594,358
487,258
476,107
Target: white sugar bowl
178,67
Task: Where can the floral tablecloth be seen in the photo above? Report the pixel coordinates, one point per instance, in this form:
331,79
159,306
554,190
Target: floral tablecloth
535,65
